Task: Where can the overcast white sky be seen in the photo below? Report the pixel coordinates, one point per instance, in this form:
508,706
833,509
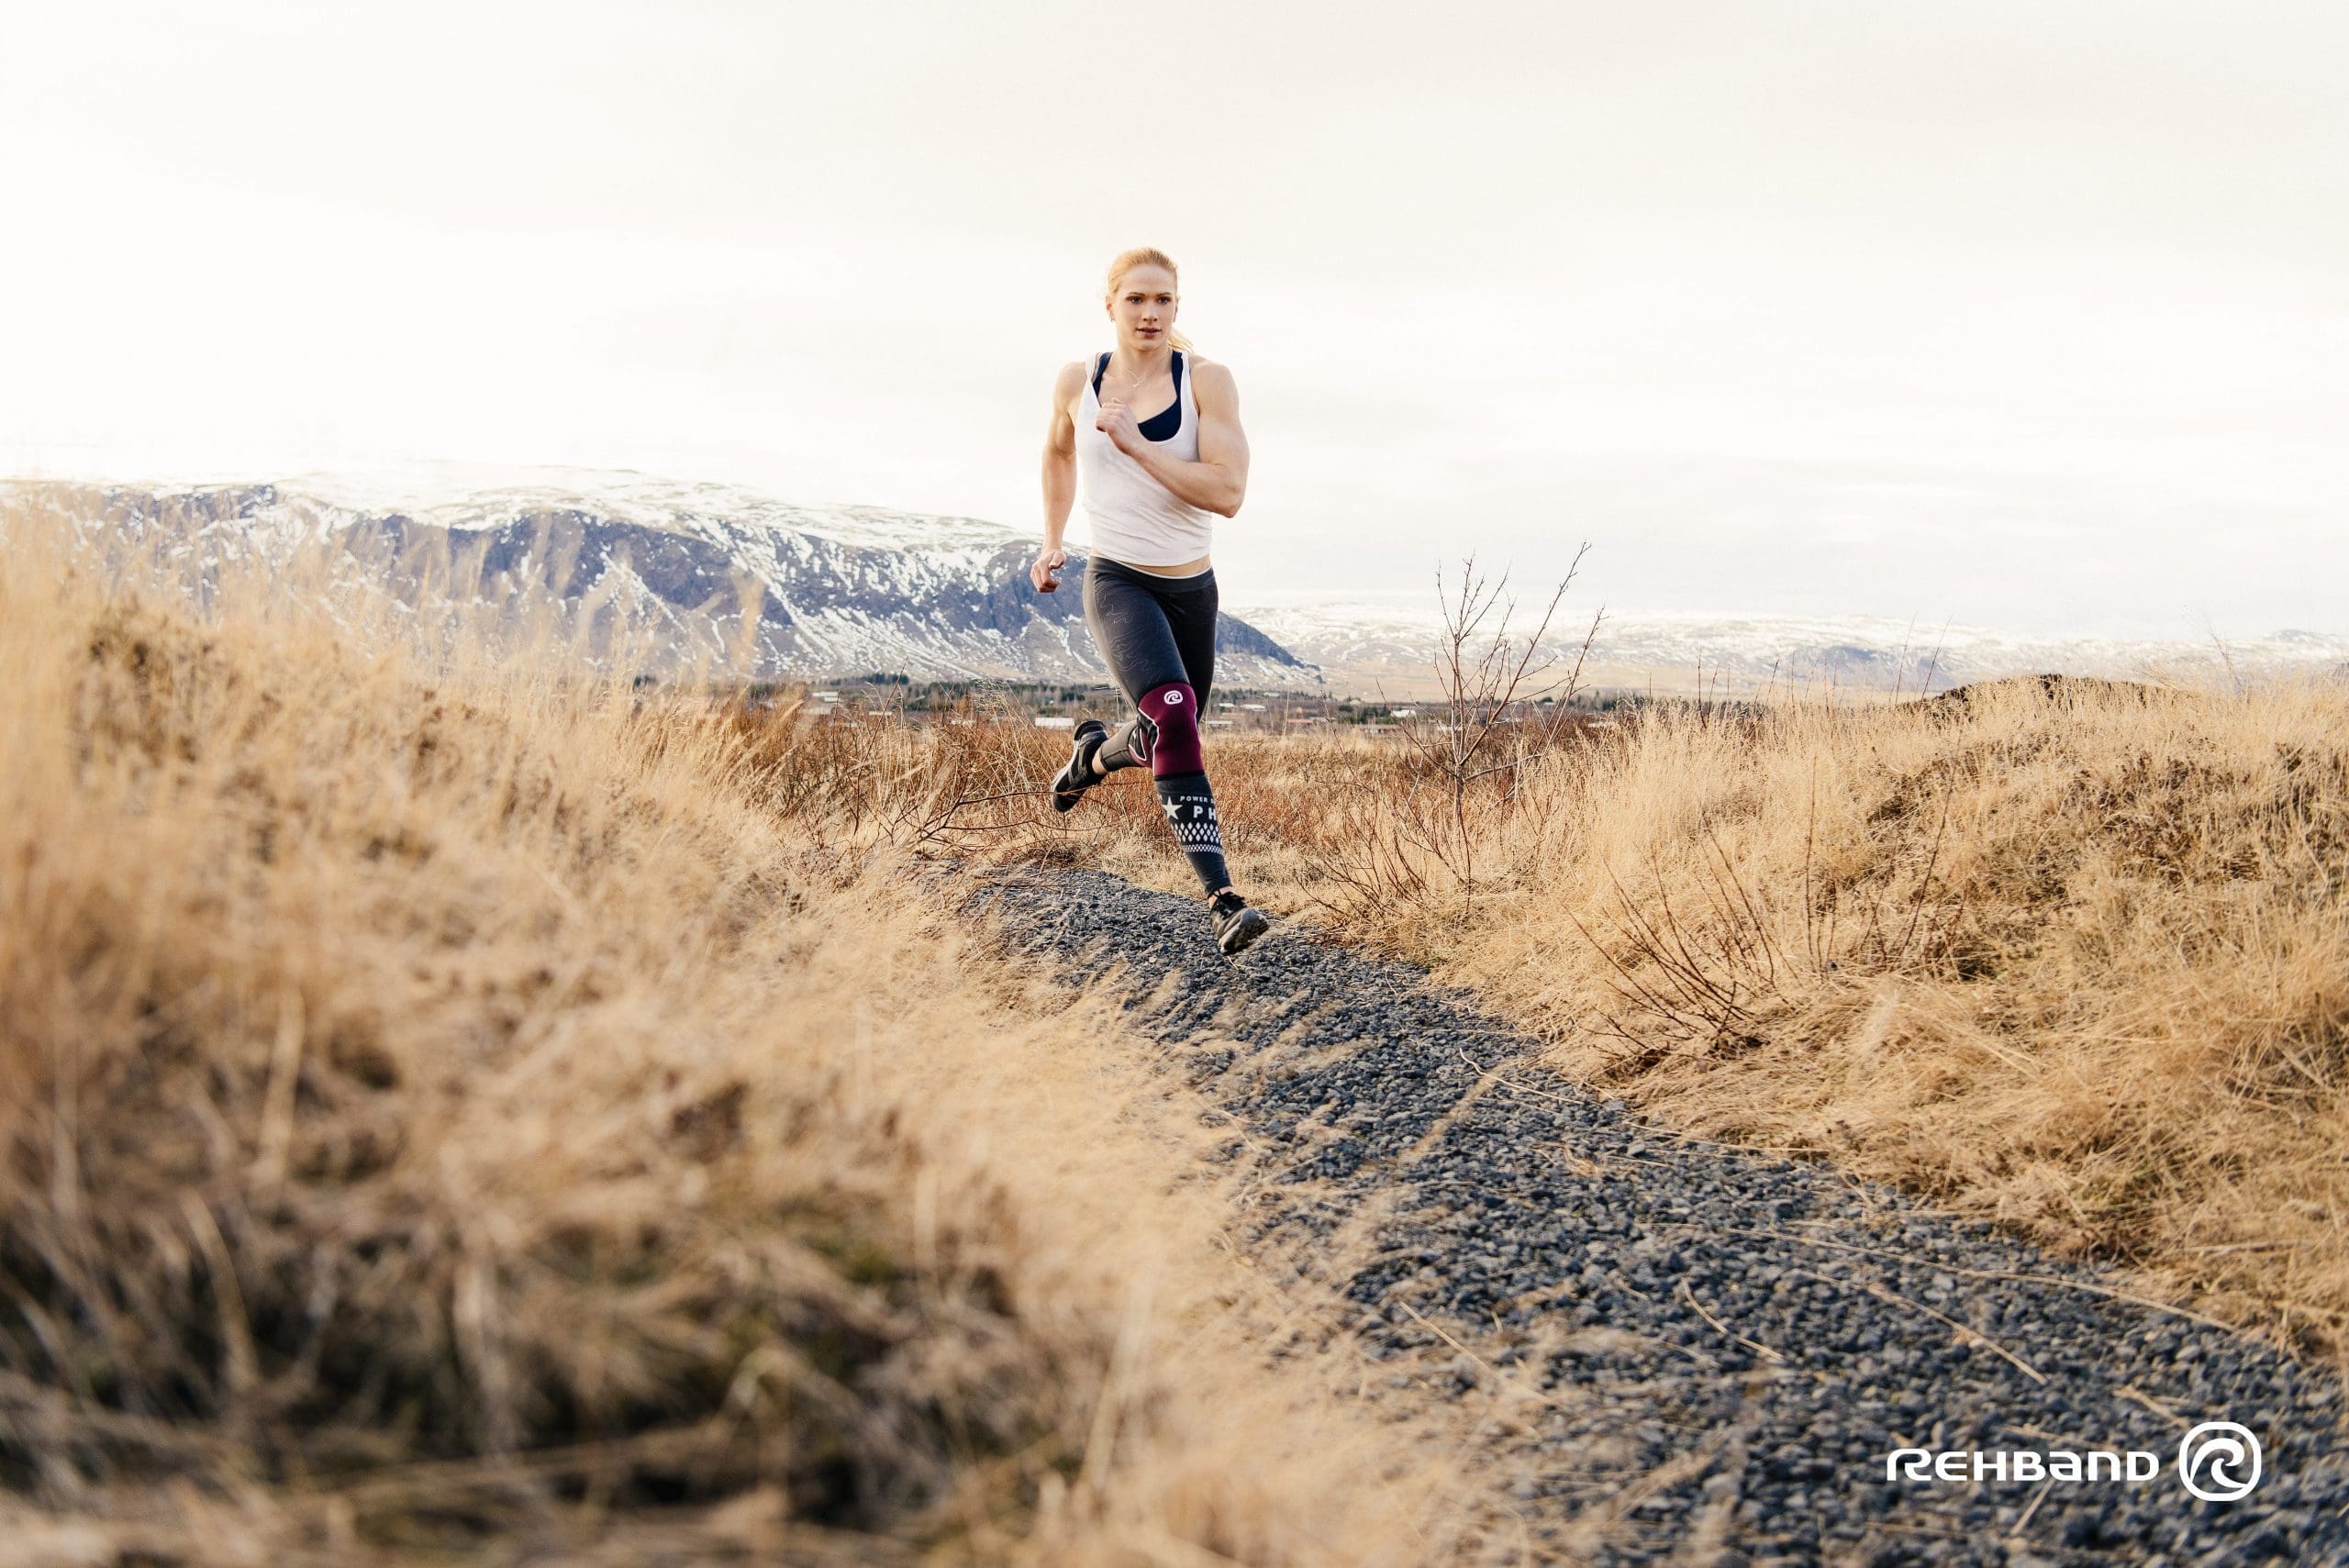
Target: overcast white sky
2028,314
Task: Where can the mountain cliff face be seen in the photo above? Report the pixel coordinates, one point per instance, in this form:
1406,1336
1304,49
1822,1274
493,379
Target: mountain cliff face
821,592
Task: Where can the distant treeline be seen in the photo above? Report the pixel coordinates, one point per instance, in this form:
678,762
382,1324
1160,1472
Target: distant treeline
900,692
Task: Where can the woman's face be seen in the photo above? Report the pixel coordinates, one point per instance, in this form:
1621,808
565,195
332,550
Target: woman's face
1143,306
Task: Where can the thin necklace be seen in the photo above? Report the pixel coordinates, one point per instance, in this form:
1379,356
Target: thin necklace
1148,376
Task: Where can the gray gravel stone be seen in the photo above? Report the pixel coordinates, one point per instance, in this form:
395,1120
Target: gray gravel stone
1750,1330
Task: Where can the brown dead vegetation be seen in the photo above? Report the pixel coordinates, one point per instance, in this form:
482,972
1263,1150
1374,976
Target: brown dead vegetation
2075,960
2070,955
452,1110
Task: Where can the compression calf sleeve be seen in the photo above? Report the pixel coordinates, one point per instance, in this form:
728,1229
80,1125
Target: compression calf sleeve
1165,734
1190,805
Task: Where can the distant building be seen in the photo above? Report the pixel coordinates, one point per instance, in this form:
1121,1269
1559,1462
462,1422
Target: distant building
1054,721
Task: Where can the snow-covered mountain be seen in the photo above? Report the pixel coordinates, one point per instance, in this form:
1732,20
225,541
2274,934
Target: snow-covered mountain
843,591
1364,646
830,591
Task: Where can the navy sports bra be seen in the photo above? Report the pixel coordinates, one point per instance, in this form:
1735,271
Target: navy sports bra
1167,422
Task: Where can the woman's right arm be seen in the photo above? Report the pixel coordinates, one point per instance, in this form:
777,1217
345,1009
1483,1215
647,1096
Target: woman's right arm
1059,478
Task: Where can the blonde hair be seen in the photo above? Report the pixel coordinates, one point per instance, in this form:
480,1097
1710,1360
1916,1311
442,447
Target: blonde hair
1146,256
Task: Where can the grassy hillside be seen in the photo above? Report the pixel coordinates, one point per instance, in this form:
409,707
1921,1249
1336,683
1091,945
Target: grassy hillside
455,1110
2073,958
456,1107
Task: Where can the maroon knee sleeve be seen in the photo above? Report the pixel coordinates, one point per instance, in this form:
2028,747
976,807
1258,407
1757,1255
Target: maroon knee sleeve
1175,709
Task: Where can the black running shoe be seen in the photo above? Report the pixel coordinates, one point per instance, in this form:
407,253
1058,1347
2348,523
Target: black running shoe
1079,776
1236,925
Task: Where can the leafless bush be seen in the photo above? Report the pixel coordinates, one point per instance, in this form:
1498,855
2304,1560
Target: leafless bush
1469,751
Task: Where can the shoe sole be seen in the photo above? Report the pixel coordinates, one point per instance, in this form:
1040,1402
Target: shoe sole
1244,931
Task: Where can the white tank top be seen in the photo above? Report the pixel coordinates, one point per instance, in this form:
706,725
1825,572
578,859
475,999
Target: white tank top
1135,518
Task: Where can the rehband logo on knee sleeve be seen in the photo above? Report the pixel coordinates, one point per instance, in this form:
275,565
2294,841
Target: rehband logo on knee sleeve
1175,748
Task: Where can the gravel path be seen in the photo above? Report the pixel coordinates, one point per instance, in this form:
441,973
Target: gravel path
1692,1354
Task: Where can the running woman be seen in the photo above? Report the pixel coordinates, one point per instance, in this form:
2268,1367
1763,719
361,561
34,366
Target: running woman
1149,485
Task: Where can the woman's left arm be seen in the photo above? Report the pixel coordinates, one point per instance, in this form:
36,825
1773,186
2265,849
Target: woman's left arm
1218,481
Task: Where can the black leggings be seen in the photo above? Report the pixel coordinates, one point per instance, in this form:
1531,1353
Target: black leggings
1157,635
1151,630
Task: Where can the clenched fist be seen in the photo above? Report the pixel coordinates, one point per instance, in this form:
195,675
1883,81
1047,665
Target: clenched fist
1046,572
1117,422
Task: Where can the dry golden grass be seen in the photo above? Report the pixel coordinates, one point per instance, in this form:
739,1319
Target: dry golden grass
455,1111
453,1107
2072,958
2075,960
